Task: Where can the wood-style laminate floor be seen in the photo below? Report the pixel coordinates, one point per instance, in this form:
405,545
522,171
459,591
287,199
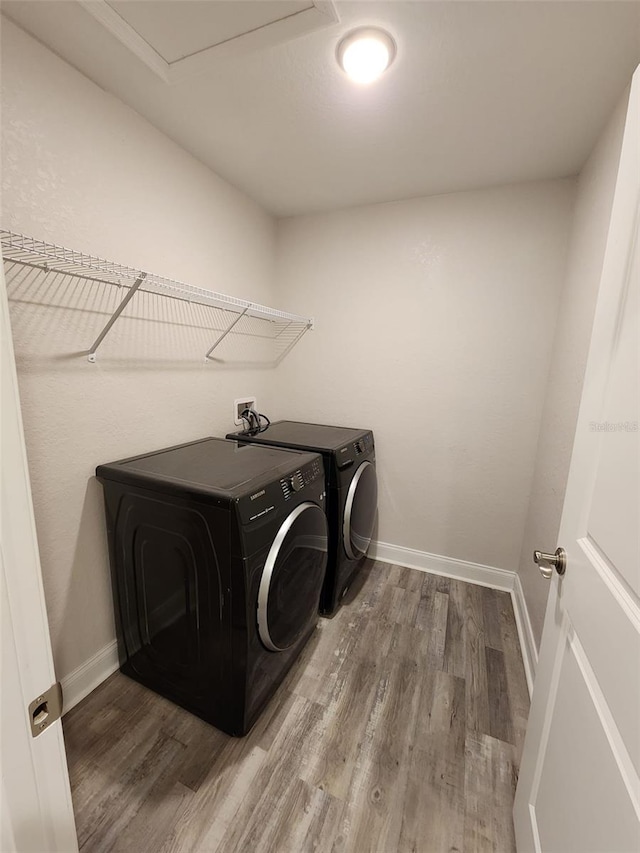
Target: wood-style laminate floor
399,729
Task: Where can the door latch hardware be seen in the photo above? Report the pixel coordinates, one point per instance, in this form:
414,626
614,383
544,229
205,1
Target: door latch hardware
45,709
548,562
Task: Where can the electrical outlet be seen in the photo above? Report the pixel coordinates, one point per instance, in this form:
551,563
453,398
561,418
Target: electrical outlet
240,405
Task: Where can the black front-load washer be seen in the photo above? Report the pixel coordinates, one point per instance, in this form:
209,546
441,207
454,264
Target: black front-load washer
352,493
218,554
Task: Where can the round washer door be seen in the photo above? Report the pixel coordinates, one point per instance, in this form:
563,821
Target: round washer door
360,511
292,577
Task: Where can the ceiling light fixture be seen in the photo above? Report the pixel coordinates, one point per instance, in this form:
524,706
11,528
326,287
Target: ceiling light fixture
364,54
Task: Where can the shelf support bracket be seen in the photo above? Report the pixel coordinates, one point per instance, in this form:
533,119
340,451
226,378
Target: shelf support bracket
128,297
226,332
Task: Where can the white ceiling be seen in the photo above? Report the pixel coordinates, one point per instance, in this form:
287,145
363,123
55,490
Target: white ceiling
481,93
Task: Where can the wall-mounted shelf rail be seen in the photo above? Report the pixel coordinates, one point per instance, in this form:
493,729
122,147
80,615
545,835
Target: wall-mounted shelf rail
50,258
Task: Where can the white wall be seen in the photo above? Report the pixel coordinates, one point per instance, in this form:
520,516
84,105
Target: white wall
594,197
83,170
435,321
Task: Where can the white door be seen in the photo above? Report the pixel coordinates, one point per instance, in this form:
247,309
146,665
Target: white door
579,787
37,813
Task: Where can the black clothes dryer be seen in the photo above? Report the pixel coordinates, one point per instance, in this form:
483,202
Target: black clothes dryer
352,493
218,554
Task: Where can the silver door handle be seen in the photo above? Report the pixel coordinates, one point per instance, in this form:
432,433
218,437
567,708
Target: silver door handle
548,562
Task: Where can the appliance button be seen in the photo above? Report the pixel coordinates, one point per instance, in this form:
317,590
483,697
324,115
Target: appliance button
296,482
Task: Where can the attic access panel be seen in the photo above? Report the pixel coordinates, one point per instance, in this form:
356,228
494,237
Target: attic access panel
179,38
178,30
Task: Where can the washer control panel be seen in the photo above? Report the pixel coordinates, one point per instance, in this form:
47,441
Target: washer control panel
269,498
301,478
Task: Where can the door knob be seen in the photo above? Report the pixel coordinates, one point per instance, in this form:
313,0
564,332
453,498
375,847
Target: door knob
548,562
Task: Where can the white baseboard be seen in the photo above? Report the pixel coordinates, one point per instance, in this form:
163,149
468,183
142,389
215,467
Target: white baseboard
445,566
476,573
89,675
525,632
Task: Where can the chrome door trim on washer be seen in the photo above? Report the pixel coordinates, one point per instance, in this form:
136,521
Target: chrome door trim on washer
348,507
267,572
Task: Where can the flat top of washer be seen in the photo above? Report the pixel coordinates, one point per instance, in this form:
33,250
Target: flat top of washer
211,465
303,436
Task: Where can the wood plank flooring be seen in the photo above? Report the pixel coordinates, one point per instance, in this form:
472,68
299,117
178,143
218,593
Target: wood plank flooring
399,729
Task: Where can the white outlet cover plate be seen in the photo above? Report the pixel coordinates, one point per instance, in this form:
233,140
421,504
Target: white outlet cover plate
248,399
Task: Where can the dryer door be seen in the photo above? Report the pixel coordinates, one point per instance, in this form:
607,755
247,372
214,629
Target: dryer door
292,578
360,511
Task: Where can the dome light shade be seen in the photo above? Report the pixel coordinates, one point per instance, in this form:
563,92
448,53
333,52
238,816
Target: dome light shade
364,54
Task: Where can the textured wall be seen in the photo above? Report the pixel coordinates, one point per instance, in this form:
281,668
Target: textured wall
435,322
594,197
83,170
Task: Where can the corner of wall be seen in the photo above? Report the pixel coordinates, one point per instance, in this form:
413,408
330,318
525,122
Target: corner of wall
592,206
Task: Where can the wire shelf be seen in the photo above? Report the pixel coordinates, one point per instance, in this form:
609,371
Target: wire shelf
284,329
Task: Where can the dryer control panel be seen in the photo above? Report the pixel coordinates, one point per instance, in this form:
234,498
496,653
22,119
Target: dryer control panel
346,455
364,444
